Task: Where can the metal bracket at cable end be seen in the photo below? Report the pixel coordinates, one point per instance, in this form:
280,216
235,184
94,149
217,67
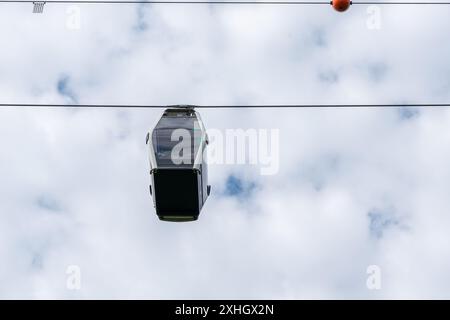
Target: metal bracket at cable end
38,6
331,2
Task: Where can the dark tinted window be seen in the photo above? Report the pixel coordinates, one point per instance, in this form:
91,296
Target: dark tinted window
185,140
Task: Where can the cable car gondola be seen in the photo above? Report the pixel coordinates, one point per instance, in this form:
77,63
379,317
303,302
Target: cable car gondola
178,168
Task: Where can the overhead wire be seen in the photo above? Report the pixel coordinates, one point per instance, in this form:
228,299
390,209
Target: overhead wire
221,2
259,106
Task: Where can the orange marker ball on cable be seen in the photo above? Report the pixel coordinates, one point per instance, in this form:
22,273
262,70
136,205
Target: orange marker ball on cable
341,5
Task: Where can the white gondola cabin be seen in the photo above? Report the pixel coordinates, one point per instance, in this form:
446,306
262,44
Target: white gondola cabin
179,172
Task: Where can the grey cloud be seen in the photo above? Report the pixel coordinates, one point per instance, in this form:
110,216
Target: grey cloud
381,221
65,89
48,203
408,113
329,77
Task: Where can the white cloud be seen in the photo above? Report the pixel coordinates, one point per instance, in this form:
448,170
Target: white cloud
74,185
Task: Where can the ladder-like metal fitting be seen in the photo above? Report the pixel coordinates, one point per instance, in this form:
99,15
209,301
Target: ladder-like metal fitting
38,6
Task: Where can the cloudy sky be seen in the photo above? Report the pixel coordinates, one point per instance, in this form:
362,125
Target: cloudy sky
355,188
